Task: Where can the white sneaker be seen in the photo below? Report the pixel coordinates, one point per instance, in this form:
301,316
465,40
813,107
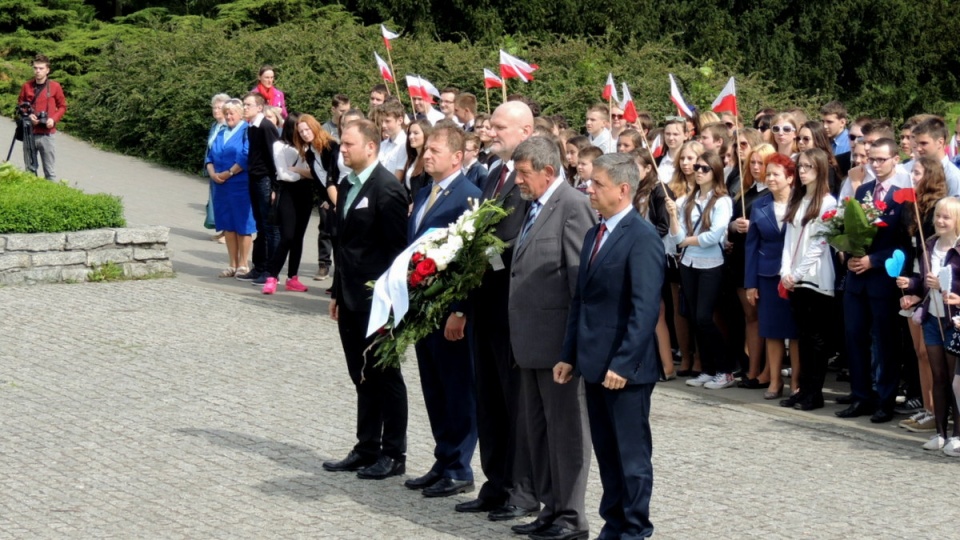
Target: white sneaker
721,380
935,443
952,447
701,379
786,372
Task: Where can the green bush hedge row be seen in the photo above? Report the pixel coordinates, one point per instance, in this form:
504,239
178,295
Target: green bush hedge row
33,205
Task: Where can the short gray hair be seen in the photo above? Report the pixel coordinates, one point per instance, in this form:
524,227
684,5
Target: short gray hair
621,168
219,98
540,152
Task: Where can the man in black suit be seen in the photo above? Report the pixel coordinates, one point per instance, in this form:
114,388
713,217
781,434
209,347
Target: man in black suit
263,174
372,212
508,492
610,341
444,357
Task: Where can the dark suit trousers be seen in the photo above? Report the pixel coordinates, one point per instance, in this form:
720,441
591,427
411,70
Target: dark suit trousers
872,320
810,310
620,430
381,393
504,455
554,417
449,392
268,236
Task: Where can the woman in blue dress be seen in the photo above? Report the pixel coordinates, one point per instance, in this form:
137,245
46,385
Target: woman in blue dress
226,164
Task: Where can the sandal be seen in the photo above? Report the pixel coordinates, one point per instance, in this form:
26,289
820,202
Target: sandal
229,272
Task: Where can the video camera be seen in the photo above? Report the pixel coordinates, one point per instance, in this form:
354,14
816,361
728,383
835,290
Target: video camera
25,110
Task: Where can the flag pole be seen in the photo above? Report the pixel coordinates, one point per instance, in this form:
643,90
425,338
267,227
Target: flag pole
743,195
487,90
396,84
503,86
610,112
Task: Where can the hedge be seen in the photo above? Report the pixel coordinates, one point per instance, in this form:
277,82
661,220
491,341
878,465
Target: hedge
29,204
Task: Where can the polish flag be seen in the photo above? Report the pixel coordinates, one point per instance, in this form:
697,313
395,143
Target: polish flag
727,100
384,68
421,88
629,109
656,147
387,36
512,67
952,147
490,79
610,89
677,98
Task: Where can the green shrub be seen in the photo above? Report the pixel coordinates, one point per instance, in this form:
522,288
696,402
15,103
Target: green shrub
32,205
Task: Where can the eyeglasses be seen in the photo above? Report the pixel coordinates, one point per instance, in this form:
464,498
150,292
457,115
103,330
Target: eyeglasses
617,116
744,144
854,137
805,140
785,129
879,160
805,167
701,168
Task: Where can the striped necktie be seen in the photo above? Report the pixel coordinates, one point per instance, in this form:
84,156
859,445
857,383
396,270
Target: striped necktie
535,207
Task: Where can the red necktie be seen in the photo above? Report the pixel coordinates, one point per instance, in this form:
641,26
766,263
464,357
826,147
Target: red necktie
503,178
596,244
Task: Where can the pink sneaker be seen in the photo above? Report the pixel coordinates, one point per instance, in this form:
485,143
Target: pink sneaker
270,286
293,284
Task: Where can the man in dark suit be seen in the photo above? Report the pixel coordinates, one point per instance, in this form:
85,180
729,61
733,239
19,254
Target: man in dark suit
445,357
508,492
871,299
543,277
372,212
611,343
263,174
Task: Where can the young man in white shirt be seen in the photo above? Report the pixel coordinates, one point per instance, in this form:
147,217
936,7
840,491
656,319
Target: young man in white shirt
393,148
465,110
930,139
598,117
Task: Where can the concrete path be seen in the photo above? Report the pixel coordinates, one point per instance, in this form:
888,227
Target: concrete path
197,408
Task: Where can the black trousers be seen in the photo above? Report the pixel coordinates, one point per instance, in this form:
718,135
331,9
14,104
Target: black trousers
268,236
701,288
381,393
810,310
294,204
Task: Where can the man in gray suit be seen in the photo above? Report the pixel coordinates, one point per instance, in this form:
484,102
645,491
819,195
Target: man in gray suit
543,279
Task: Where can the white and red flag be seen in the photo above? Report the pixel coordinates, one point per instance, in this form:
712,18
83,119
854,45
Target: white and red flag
419,87
727,100
677,98
512,67
387,36
656,147
384,68
629,109
952,147
610,89
490,79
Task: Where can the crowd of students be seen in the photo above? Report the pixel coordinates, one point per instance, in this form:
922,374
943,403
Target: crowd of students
754,294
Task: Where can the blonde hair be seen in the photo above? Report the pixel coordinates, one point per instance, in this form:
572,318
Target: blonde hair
788,117
679,185
951,205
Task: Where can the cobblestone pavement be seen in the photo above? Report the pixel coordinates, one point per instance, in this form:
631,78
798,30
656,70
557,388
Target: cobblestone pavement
165,409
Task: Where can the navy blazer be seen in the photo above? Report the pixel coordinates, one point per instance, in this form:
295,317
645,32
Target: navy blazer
450,204
875,281
764,246
614,312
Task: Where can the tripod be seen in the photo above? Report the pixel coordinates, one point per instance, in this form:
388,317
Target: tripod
29,144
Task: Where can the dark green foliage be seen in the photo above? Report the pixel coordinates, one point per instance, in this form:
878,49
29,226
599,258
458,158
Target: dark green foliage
31,205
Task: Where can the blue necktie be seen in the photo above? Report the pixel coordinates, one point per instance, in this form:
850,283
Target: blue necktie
531,218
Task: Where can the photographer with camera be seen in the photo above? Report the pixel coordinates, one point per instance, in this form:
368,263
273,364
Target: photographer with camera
41,105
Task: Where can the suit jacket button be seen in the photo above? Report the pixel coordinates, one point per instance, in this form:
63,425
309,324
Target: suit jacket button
513,274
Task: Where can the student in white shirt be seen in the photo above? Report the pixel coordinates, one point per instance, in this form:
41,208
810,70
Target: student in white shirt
598,116
393,148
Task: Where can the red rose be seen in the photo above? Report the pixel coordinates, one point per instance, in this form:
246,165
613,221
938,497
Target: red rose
417,257
415,279
829,215
881,224
881,206
427,267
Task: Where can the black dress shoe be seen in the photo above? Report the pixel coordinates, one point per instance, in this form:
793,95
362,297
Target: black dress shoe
857,408
530,528
556,532
479,505
509,511
845,400
353,462
810,402
424,481
881,416
385,467
751,384
792,400
446,487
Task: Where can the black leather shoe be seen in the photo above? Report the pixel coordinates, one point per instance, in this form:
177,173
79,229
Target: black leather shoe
509,511
751,384
845,400
810,402
424,481
556,532
857,408
478,505
446,487
353,462
792,400
881,416
385,467
530,528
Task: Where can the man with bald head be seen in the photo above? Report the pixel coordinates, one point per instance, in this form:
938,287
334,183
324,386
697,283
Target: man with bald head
508,492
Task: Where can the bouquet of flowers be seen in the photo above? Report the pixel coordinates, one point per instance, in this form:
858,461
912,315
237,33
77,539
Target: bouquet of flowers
850,228
413,298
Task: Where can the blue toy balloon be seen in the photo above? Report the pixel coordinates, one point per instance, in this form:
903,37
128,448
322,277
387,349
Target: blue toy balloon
894,264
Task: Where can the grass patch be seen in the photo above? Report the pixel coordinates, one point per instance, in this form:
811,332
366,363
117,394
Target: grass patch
33,205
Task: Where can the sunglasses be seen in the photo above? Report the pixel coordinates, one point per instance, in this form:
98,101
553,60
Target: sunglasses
805,140
729,125
854,137
617,116
701,168
784,129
